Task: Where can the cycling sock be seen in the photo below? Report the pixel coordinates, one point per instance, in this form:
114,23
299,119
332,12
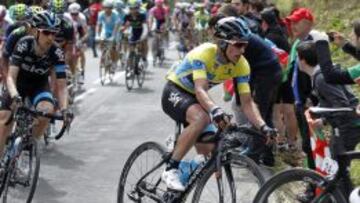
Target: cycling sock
172,164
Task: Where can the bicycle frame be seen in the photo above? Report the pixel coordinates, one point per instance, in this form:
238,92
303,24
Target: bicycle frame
331,182
220,154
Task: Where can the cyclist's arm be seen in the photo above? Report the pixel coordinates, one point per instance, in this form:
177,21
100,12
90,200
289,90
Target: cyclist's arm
59,70
331,74
61,91
250,110
201,88
11,80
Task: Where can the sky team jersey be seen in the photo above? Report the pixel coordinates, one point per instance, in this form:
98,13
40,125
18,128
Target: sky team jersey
108,23
34,70
12,39
201,63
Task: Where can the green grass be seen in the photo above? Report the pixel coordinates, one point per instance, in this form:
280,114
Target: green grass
355,171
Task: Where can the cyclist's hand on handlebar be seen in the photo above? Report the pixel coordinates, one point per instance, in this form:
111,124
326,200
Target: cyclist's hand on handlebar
221,119
16,102
270,133
68,116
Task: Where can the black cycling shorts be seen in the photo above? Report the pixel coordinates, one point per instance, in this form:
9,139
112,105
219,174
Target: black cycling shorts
176,101
35,95
285,94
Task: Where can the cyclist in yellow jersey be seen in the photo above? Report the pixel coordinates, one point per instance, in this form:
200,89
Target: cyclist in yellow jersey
186,100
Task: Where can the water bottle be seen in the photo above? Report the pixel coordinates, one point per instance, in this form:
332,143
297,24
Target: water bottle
355,196
170,142
187,167
15,147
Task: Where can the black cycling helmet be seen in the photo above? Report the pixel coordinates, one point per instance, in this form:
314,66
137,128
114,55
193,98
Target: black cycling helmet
47,21
232,28
269,16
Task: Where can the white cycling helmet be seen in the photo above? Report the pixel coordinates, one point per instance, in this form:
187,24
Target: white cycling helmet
108,3
74,8
355,196
2,11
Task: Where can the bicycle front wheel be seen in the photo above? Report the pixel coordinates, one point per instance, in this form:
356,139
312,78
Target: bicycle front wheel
240,181
22,178
140,76
142,160
295,186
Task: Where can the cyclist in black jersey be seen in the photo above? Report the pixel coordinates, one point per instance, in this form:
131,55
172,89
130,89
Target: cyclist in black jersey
33,61
11,40
139,28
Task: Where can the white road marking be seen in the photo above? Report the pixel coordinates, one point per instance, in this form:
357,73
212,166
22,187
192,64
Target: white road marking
83,95
116,76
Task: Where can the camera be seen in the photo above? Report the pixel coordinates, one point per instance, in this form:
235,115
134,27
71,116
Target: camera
331,36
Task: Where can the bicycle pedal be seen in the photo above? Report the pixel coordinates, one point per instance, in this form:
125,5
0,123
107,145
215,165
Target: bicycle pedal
171,196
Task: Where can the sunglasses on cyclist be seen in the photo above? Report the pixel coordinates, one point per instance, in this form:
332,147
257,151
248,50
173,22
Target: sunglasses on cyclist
74,14
237,44
48,32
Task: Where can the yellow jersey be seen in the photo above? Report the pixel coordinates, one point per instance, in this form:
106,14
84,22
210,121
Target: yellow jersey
202,63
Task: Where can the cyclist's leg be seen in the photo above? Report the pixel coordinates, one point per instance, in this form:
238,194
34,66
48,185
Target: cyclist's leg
42,101
5,124
69,58
82,60
183,107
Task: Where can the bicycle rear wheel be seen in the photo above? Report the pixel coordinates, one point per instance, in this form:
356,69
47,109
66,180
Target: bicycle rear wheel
22,179
141,161
241,180
294,186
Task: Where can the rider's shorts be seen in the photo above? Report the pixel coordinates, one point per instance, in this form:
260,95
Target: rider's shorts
175,103
35,95
135,35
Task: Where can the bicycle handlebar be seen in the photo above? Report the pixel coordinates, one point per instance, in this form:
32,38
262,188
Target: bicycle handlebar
53,116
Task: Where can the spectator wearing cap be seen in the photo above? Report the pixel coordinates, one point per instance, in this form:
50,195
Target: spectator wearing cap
284,107
301,22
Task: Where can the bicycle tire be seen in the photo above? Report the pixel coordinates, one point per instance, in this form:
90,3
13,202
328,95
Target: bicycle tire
140,77
290,176
34,158
235,161
129,163
129,73
102,73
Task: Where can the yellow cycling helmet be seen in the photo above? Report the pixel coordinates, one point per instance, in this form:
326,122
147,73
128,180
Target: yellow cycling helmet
18,11
36,9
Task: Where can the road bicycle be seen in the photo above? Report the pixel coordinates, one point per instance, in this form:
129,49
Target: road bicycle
303,185
135,66
106,69
21,161
225,176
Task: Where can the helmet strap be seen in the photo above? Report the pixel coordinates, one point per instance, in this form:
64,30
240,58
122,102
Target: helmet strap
223,46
